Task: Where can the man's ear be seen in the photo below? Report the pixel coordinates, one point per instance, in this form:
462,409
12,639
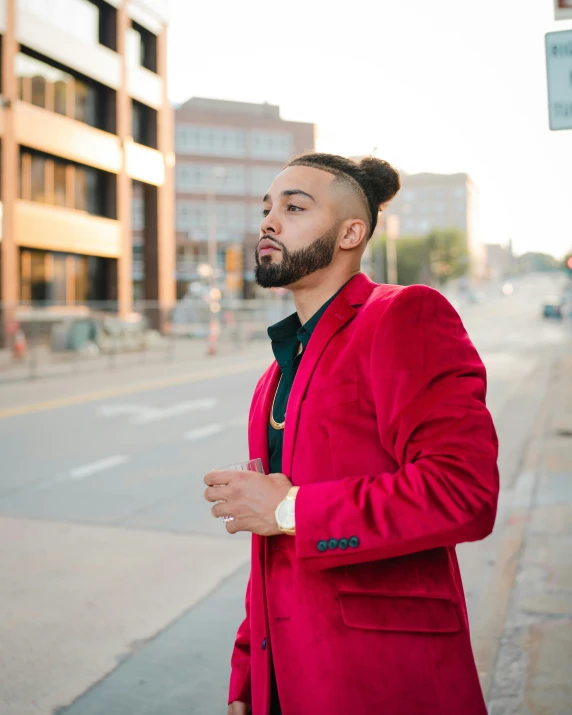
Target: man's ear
354,234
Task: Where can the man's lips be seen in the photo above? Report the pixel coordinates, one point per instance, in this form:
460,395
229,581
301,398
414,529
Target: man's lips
265,247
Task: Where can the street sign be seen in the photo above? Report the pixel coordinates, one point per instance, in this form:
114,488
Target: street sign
563,9
559,75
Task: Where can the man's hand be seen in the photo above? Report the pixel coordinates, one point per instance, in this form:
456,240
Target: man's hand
238,708
250,498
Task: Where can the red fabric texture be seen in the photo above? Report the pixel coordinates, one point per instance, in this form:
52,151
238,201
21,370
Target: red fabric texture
388,436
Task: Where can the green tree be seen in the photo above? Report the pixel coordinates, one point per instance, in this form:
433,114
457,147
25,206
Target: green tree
448,254
430,260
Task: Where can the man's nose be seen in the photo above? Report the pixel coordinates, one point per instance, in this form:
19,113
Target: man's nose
270,224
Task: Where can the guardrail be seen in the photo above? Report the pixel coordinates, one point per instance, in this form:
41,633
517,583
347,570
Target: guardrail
42,339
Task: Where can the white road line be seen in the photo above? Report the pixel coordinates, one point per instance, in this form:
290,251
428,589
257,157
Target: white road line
143,414
153,415
202,432
85,471
241,421
88,469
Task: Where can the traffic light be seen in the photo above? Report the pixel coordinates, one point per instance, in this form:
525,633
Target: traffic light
568,265
234,259
234,268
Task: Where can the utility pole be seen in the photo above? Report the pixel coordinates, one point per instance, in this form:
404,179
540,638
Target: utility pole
392,233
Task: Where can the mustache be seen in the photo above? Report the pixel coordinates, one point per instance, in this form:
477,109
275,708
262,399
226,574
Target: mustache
275,241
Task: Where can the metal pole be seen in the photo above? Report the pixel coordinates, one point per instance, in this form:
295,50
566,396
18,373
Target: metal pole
212,255
392,234
211,236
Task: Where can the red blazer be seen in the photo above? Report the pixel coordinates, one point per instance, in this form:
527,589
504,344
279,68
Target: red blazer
389,438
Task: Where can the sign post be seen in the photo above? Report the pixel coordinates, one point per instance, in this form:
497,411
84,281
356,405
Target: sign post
559,75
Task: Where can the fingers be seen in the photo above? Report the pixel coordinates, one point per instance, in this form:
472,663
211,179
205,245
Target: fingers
220,476
221,509
213,494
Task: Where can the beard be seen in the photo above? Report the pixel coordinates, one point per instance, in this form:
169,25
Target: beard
295,265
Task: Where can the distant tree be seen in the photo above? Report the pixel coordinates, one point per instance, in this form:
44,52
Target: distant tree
535,262
448,254
431,260
412,260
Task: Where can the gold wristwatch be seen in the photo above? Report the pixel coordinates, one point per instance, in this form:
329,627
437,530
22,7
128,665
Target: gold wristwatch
285,513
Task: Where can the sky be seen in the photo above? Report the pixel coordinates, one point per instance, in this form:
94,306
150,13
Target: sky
443,86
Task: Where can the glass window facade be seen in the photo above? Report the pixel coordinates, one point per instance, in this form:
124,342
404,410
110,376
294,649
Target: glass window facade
210,178
210,141
63,278
271,145
52,180
260,179
144,124
230,219
58,91
221,141
254,217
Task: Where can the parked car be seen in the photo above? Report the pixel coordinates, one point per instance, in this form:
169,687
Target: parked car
553,307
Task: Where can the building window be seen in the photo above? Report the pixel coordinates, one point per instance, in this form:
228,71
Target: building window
51,180
209,141
271,145
210,178
38,192
261,179
138,207
141,47
59,91
254,217
60,192
228,218
144,124
38,91
53,277
85,103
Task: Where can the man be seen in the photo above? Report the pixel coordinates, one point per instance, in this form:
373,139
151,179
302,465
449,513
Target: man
381,457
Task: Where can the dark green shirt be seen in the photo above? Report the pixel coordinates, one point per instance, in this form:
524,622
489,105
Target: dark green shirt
286,337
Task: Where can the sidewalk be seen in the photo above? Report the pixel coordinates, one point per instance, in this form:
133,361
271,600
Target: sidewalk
528,671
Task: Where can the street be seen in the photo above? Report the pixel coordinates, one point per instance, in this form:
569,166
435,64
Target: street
119,593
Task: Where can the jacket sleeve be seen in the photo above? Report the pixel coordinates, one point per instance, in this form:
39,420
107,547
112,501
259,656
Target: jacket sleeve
428,385
240,686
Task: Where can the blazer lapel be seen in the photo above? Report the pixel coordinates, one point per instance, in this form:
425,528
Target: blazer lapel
258,423
338,314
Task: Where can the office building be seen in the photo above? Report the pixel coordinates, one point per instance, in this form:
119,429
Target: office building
87,159
228,154
428,202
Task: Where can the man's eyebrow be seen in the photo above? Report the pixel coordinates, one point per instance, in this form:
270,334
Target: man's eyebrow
291,192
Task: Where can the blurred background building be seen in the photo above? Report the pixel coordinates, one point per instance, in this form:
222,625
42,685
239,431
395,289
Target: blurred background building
228,154
87,160
433,202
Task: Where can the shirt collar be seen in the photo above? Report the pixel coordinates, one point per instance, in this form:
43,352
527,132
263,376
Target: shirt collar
288,333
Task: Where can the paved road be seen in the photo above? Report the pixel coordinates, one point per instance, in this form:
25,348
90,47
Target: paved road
109,559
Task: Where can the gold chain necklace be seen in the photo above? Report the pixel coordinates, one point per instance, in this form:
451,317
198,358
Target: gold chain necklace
280,425
276,425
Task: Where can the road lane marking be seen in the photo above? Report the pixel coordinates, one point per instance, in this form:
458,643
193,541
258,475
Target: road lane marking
187,378
241,421
144,414
201,432
86,470
101,465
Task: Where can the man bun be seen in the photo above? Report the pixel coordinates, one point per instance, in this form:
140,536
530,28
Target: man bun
382,179
377,180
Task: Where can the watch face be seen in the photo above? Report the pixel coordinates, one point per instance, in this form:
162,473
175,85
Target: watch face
285,514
